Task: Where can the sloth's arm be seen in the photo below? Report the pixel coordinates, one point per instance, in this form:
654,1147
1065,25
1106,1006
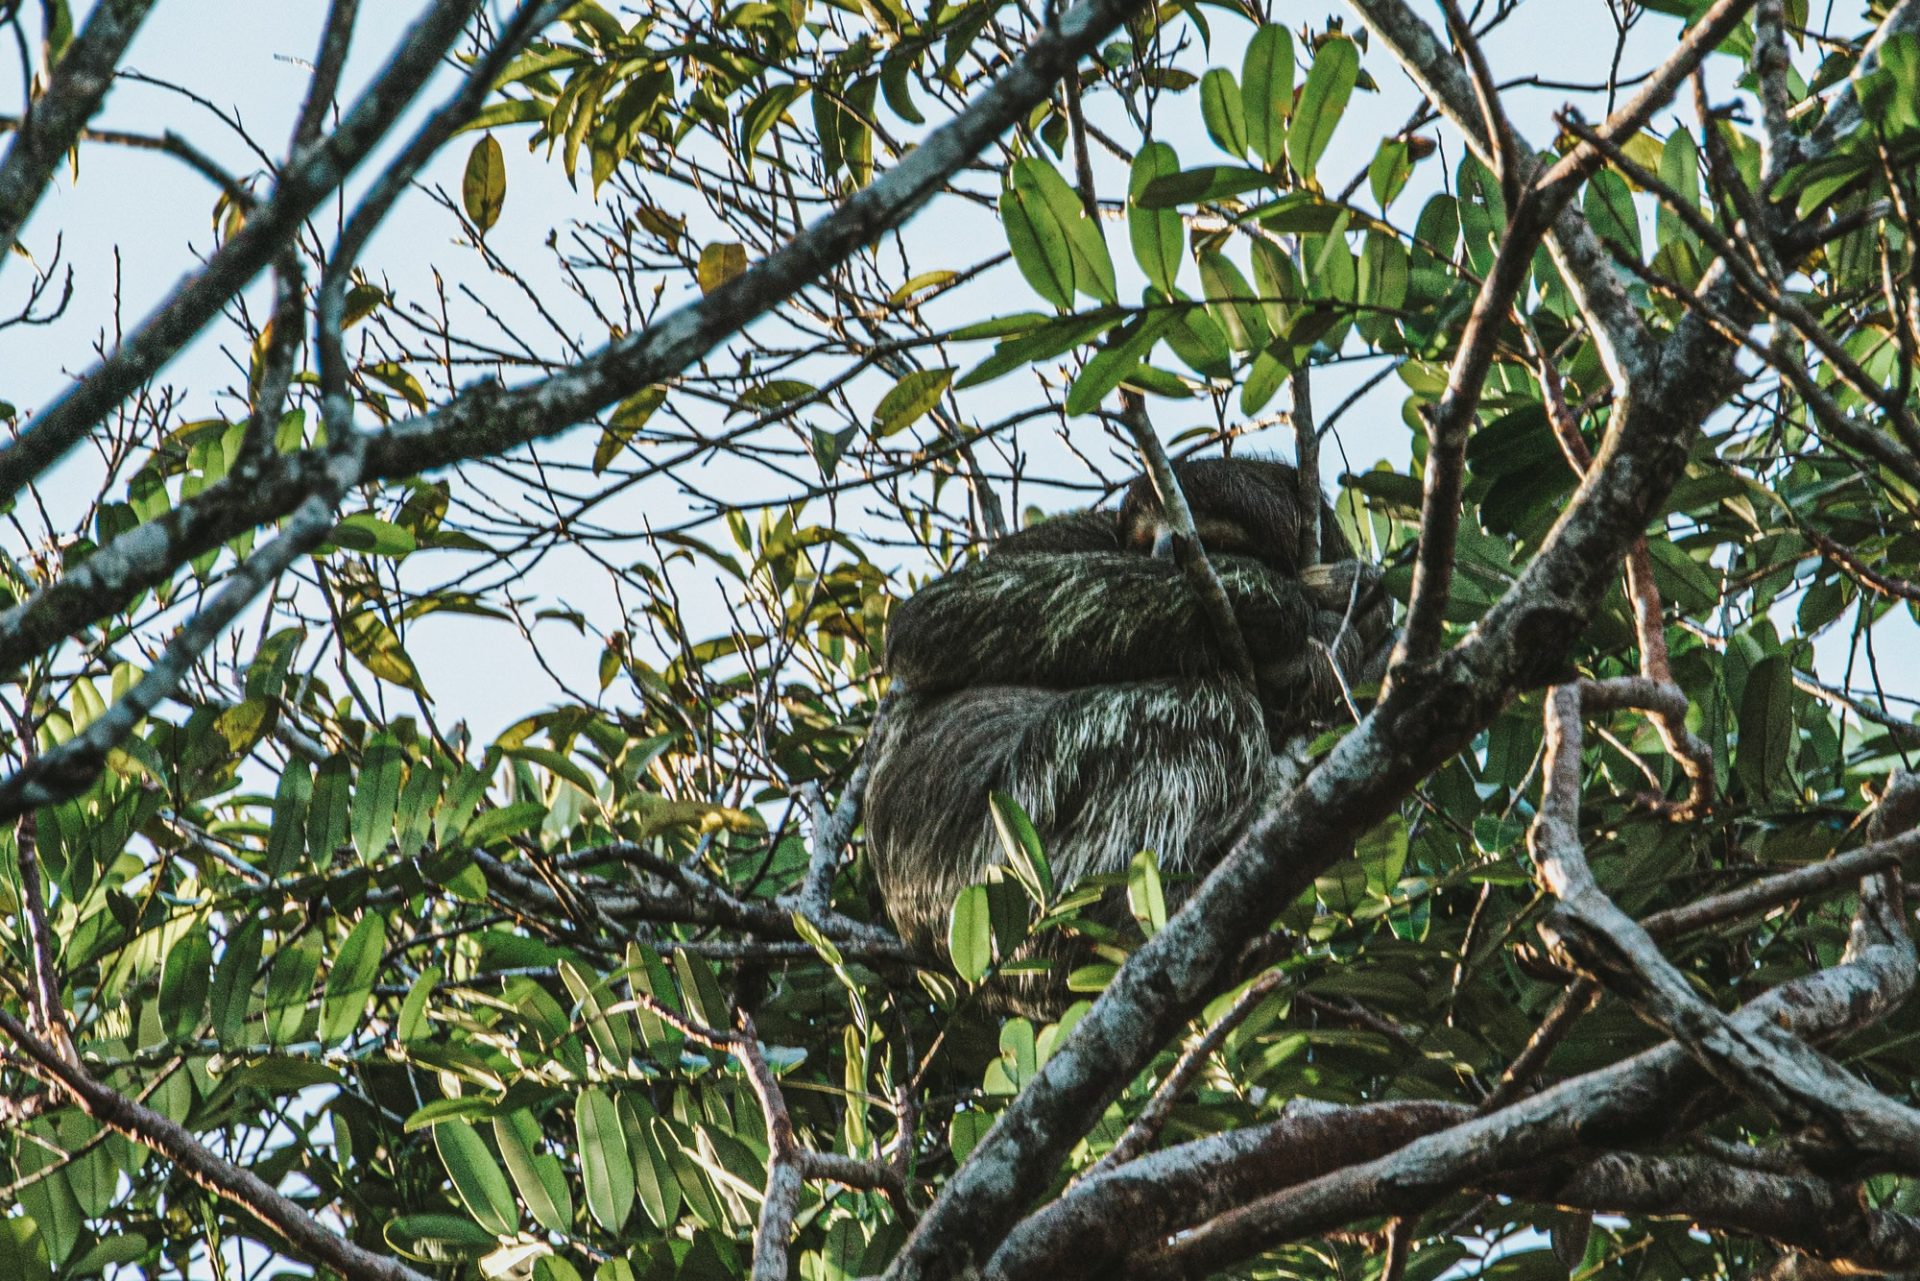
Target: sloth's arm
1067,621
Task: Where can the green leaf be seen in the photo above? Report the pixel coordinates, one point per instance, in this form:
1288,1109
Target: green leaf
1323,99
1387,175
704,1000
625,422
1145,897
438,1238
483,190
504,823
366,533
613,1037
327,815
653,1178
378,649
290,987
1159,237
1233,303
1046,198
1382,851
1609,207
476,1177
542,1185
1044,343
412,1023
376,795
512,111
1112,364
764,112
1266,91
966,1130
909,400
1198,186
606,1170
287,840
1767,730
1679,170
1026,857
1038,243
233,983
185,980
350,981
970,934
1223,112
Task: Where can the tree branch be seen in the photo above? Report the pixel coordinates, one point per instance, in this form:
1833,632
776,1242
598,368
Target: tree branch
307,1236
55,119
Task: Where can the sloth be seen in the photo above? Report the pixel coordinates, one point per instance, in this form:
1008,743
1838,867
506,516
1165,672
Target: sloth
1074,668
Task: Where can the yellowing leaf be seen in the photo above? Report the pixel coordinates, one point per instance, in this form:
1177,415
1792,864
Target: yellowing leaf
374,644
910,399
719,263
629,417
484,188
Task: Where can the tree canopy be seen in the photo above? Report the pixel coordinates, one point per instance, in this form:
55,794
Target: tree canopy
1581,951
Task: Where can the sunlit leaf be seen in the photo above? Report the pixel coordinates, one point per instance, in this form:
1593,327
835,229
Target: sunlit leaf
483,188
1323,99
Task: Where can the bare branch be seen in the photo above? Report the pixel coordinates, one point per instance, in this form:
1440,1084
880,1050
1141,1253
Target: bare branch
486,420
309,176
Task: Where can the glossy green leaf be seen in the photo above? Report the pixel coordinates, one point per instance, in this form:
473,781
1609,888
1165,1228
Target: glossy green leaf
233,980
1042,187
1039,244
1146,899
1222,111
290,989
1020,842
1158,236
287,841
476,1176
913,397
1767,731
1323,99
1234,303
654,1182
624,423
412,1023
1198,186
606,1169
1266,90
350,981
970,934
376,795
538,1177
185,981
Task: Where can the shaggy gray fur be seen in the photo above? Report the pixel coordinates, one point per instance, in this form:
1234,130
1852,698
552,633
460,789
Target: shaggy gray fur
1084,680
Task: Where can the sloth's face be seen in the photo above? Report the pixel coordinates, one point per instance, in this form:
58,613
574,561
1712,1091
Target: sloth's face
1150,535
1241,507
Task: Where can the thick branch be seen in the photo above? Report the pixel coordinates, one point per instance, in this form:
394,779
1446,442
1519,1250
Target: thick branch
485,420
308,1237
309,176
54,121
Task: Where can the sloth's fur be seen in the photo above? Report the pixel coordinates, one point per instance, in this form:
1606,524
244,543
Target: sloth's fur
1081,676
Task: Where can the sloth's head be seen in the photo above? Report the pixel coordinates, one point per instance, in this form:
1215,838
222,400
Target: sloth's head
1241,507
